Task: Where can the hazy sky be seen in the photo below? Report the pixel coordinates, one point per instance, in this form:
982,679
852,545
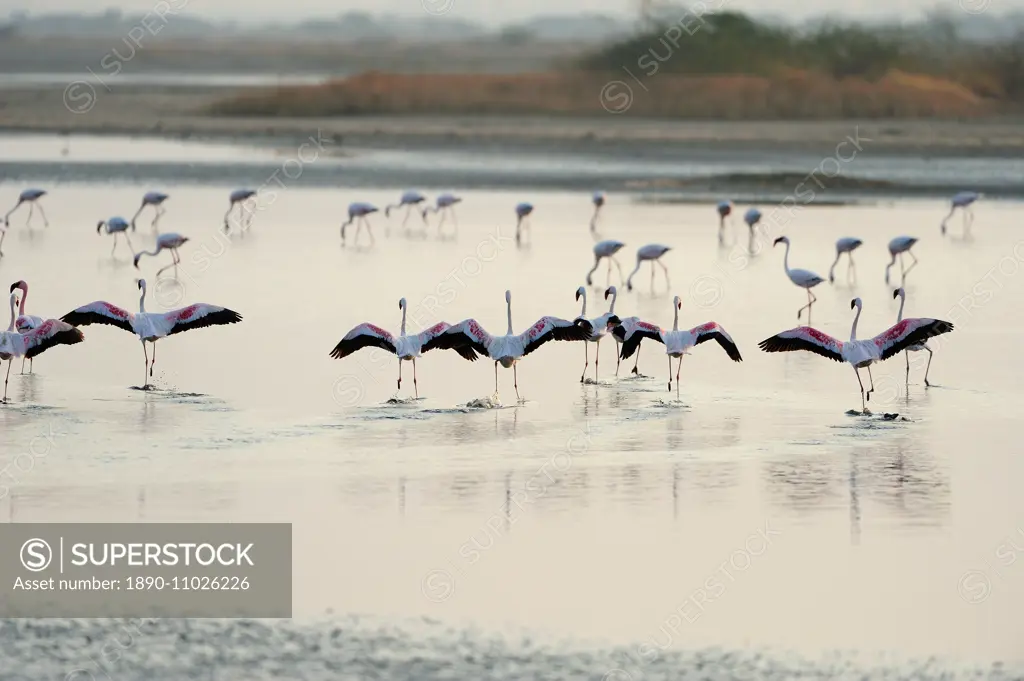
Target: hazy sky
500,11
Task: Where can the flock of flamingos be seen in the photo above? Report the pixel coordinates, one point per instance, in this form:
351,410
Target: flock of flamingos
28,335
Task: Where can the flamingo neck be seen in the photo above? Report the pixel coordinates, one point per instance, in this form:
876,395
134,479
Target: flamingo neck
611,308
785,259
899,316
142,301
10,327
403,319
853,329
675,321
24,297
510,317
635,270
583,312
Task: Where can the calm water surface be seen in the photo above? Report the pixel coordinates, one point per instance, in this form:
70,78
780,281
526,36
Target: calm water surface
748,512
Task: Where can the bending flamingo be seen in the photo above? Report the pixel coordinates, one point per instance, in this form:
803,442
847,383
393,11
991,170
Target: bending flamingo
25,322
963,201
605,249
598,200
724,209
523,213
155,199
650,253
151,326
165,242
902,295
409,199
406,348
31,197
859,353
845,245
897,247
507,350
357,213
115,226
240,198
445,205
600,326
805,279
14,343
677,343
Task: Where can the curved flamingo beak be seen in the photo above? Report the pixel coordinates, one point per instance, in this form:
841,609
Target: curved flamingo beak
99,226
614,321
853,303
577,294
779,240
896,294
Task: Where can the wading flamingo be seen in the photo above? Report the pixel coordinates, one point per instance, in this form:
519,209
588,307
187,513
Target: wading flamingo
31,197
405,347
523,213
605,249
897,247
598,199
650,253
357,213
240,198
169,241
600,326
151,326
115,226
409,199
32,342
845,245
445,205
724,209
859,353
805,279
507,350
155,199
902,295
963,201
677,342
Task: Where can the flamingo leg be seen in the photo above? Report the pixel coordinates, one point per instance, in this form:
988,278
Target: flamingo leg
863,407
9,363
129,242
608,281
668,284
46,223
455,222
652,276
145,369
670,373
115,245
515,381
369,231
929,366
495,378
618,267
597,357
22,365
906,356
415,385
872,383
586,361
618,356
636,362
399,373
519,226
227,215
3,233
912,265
153,363
31,360
408,209
31,210
440,223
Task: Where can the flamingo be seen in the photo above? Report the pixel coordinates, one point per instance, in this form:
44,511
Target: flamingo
845,245
115,226
600,326
14,343
599,200
507,350
31,197
523,213
859,353
155,199
405,347
151,326
902,295
803,278
963,201
25,322
169,241
408,199
652,253
677,342
613,293
240,198
724,209
897,247
445,205
357,212
605,249
752,217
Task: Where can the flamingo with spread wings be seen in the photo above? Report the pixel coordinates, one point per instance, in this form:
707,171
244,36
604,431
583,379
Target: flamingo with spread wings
405,347
859,353
677,342
151,326
902,295
507,350
33,341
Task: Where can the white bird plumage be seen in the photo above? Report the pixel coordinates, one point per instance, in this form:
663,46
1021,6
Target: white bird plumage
25,322
845,245
406,347
650,253
897,247
858,353
31,197
116,225
805,279
902,295
33,341
151,326
677,342
600,325
605,249
507,350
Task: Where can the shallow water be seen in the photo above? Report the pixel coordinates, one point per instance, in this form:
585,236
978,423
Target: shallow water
747,511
